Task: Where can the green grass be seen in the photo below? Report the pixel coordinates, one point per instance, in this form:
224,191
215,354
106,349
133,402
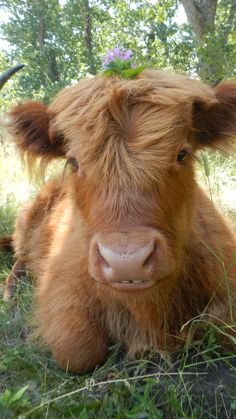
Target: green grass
198,383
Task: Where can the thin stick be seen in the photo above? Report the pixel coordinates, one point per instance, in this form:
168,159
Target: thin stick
14,276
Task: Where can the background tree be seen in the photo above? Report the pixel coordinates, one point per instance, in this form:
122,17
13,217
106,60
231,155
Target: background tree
213,24
63,41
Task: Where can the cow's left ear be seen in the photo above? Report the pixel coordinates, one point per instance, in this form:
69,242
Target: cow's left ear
214,125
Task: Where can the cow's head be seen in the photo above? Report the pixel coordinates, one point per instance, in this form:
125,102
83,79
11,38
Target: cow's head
135,142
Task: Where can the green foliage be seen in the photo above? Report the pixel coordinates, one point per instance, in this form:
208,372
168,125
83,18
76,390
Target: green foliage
122,69
10,92
61,42
33,31
214,42
11,402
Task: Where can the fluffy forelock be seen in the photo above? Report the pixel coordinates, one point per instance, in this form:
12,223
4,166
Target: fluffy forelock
124,129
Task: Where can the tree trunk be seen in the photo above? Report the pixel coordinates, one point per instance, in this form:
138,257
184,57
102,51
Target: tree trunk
50,56
86,15
201,16
151,38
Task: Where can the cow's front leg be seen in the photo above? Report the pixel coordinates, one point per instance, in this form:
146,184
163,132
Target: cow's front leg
77,342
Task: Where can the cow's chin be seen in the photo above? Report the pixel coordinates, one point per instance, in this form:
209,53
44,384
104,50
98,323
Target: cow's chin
135,286
130,261
131,285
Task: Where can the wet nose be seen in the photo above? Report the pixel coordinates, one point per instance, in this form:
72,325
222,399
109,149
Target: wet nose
131,260
125,260
127,265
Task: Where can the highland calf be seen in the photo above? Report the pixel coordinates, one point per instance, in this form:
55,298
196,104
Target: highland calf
125,247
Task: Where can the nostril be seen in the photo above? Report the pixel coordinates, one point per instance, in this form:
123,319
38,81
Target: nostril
150,258
101,258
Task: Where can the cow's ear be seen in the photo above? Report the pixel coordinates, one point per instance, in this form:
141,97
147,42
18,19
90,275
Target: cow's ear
214,125
30,125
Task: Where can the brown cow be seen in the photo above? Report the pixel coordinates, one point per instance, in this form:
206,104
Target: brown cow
126,247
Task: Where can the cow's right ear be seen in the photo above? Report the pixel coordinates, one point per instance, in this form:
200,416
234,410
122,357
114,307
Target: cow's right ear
214,124
30,125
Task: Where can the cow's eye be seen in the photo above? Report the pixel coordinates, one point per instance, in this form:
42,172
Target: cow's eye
181,156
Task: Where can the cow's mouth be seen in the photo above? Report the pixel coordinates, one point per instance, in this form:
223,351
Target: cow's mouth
131,285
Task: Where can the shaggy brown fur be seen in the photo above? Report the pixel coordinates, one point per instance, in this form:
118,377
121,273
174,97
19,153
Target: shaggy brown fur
126,136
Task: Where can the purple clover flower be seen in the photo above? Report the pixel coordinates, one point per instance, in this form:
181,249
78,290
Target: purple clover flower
127,55
117,53
118,63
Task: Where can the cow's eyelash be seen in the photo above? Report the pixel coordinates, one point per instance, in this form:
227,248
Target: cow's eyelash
193,156
184,153
71,163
